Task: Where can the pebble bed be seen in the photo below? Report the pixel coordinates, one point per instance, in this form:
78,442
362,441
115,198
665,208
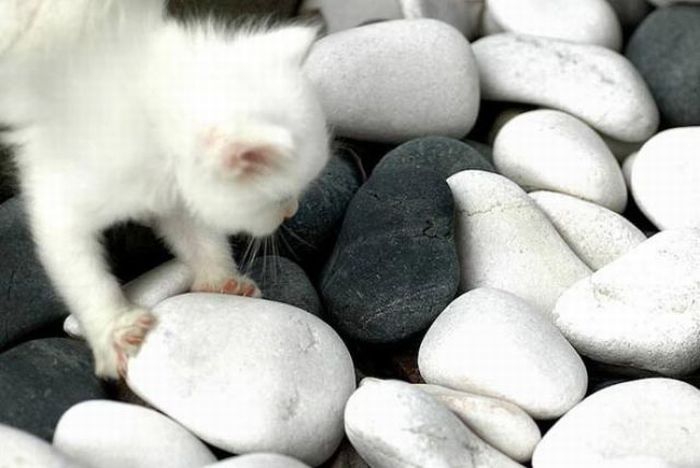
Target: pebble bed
500,266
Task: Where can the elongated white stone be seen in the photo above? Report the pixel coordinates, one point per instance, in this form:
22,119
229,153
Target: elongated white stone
20,449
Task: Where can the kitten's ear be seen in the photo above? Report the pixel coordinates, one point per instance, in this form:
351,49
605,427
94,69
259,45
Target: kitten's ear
296,41
254,156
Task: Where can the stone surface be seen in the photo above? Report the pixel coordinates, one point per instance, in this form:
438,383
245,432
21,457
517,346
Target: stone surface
394,267
447,156
260,460
41,379
109,434
308,237
341,14
392,423
282,280
388,82
597,235
641,310
665,178
28,302
664,50
590,22
505,242
231,9
499,423
592,83
247,375
552,150
8,183
657,420
23,450
483,343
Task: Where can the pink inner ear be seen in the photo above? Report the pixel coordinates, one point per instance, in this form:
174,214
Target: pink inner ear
245,159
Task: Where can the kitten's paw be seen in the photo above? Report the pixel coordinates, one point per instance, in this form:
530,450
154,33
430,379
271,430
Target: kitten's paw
237,285
123,340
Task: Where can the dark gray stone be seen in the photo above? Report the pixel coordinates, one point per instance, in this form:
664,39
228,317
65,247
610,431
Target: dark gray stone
8,181
394,267
28,302
445,155
665,50
282,280
308,237
41,379
232,9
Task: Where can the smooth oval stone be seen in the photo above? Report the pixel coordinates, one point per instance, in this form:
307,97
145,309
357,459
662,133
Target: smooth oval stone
394,267
641,310
664,48
246,375
483,343
552,150
499,423
41,379
391,423
636,461
110,434
597,235
592,83
445,155
644,418
23,450
388,82
28,302
260,460
590,22
505,242
665,178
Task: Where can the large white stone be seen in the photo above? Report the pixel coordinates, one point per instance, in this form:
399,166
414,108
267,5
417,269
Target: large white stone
19,449
169,279
109,434
597,235
641,310
552,150
655,420
589,22
666,178
389,82
259,460
246,375
501,424
593,83
393,424
505,241
492,343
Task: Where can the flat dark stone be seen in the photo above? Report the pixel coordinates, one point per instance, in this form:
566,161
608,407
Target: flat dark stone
445,155
41,379
231,9
664,48
282,280
394,267
8,181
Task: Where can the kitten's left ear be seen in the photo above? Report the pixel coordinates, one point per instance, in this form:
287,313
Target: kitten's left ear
296,41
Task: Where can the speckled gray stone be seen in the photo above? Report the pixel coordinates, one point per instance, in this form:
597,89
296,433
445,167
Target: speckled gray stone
594,84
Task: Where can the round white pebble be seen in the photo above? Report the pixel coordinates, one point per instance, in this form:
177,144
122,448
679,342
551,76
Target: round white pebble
19,449
259,460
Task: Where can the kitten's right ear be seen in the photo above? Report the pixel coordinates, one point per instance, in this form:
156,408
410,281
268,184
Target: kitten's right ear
296,41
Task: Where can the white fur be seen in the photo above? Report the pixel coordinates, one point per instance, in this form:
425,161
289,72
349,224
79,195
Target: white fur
131,116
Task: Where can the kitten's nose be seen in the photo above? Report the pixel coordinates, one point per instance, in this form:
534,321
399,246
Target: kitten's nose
291,210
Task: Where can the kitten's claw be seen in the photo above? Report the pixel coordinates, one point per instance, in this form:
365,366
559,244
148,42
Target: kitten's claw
237,286
124,339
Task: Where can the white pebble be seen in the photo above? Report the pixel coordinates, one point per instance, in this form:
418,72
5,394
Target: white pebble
499,423
246,375
393,424
552,150
19,449
641,310
595,84
109,434
388,82
259,460
505,241
597,235
653,420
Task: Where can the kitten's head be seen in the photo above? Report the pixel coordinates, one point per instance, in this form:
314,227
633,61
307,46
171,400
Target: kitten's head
254,134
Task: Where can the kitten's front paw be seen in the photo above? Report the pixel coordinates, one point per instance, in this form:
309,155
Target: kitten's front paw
123,340
237,285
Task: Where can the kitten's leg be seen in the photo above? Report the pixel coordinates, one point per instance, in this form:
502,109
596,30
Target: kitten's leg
74,259
208,255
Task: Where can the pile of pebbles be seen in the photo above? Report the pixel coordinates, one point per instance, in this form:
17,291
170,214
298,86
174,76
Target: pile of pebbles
500,266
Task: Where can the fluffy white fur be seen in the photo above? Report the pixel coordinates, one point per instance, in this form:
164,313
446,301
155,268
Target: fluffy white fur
119,114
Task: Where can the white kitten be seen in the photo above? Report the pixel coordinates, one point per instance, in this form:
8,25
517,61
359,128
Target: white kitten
203,132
